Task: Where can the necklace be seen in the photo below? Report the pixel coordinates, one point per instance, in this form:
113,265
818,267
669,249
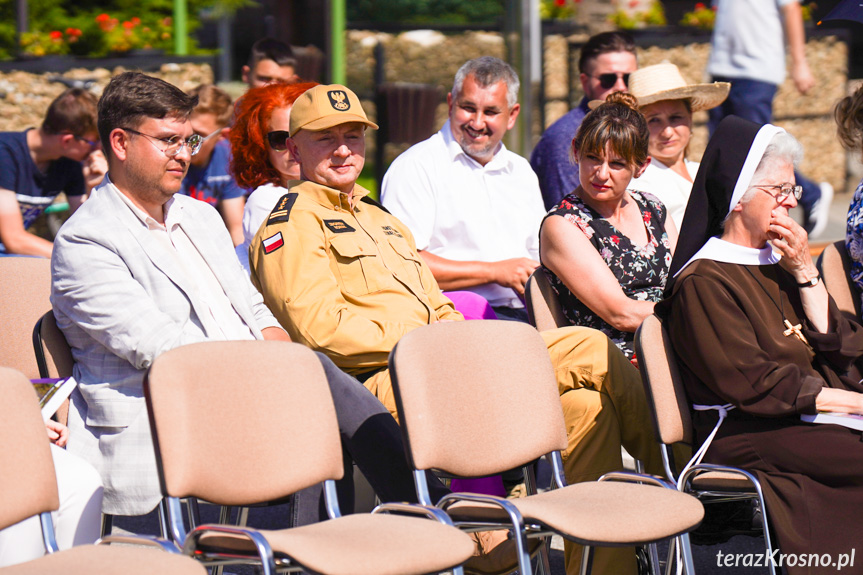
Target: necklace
795,330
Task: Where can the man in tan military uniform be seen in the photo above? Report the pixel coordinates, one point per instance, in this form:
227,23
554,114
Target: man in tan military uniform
344,277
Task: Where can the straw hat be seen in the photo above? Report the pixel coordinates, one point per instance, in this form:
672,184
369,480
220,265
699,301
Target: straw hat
664,82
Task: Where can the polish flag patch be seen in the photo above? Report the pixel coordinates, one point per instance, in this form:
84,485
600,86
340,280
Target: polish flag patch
273,243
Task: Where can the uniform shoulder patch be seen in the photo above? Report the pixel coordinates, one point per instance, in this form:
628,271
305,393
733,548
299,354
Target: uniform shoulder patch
282,211
338,226
273,243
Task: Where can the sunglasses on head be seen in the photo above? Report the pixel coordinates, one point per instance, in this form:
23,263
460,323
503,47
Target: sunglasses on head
607,81
278,140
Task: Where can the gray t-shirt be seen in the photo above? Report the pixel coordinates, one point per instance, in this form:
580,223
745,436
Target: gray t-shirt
749,40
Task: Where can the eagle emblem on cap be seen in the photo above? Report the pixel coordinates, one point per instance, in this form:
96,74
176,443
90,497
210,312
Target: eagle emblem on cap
339,100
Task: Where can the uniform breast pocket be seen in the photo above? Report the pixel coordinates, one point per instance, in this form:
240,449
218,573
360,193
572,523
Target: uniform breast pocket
359,271
410,260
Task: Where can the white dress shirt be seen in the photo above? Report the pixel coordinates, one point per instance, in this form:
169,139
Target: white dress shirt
461,210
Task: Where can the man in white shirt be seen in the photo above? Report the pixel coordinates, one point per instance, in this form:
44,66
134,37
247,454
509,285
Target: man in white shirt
473,206
140,270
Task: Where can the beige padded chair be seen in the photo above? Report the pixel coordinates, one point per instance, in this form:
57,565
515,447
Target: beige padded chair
466,392
28,487
543,307
25,289
246,422
672,424
835,267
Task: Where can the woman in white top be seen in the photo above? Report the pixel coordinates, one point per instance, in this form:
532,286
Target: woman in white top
667,102
261,160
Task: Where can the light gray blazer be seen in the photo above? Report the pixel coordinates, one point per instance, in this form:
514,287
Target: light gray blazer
121,299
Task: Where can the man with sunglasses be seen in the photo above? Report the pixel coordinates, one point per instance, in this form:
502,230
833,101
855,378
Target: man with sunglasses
36,165
140,270
209,178
605,64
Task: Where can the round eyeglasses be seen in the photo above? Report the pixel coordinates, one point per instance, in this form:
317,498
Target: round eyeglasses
175,143
785,190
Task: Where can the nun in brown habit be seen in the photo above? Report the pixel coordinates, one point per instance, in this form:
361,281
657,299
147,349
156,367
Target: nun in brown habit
757,335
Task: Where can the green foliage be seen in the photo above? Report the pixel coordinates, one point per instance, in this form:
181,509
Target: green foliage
628,20
137,25
426,11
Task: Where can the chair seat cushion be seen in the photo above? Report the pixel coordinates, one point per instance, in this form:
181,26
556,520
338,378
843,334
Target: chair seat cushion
605,513
109,560
376,544
722,481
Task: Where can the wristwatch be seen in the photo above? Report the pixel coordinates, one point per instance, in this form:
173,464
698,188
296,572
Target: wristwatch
810,283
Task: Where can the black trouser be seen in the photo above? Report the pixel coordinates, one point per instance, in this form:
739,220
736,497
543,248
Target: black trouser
370,438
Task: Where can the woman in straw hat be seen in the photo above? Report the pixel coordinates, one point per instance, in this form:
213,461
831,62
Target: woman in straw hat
667,102
606,249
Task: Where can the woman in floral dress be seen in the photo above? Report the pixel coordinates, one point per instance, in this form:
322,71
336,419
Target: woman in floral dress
607,249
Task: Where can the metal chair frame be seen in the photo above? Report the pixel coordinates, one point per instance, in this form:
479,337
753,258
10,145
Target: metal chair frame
697,473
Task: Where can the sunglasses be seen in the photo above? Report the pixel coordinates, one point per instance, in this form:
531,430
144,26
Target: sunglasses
278,140
607,81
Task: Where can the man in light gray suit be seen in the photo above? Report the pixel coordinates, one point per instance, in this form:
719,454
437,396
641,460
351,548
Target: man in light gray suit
140,270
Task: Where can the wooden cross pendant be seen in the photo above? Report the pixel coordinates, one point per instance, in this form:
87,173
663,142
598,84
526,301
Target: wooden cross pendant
795,330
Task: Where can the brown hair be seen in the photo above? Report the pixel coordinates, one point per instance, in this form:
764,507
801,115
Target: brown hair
213,100
132,97
616,122
73,111
849,120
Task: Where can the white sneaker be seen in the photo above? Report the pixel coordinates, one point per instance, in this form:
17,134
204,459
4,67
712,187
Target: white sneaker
821,210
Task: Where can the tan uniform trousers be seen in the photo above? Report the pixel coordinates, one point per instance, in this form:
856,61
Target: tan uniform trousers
604,407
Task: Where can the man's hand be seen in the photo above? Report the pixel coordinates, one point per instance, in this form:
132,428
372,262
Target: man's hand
95,166
802,76
57,433
514,273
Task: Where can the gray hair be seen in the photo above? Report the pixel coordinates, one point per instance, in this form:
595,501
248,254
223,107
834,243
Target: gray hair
487,71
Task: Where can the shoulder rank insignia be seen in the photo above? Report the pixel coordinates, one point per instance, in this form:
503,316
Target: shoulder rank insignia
338,226
273,243
282,211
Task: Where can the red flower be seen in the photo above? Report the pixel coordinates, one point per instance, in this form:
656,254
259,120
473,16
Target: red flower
633,3
136,21
128,25
560,3
102,18
615,239
56,35
700,6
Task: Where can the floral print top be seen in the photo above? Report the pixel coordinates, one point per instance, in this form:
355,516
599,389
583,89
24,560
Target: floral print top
854,237
641,270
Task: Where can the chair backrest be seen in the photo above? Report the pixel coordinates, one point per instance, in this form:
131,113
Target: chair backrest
53,354
476,397
25,289
241,422
834,264
543,306
662,384
28,485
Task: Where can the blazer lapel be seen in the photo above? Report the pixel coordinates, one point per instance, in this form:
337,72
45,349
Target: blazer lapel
224,264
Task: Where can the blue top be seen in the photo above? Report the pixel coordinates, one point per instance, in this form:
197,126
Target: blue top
558,176
854,238
213,182
35,190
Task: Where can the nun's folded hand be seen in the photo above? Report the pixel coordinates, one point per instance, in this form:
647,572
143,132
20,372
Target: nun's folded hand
792,241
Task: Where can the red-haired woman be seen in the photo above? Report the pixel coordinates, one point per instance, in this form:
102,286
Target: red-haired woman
261,160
